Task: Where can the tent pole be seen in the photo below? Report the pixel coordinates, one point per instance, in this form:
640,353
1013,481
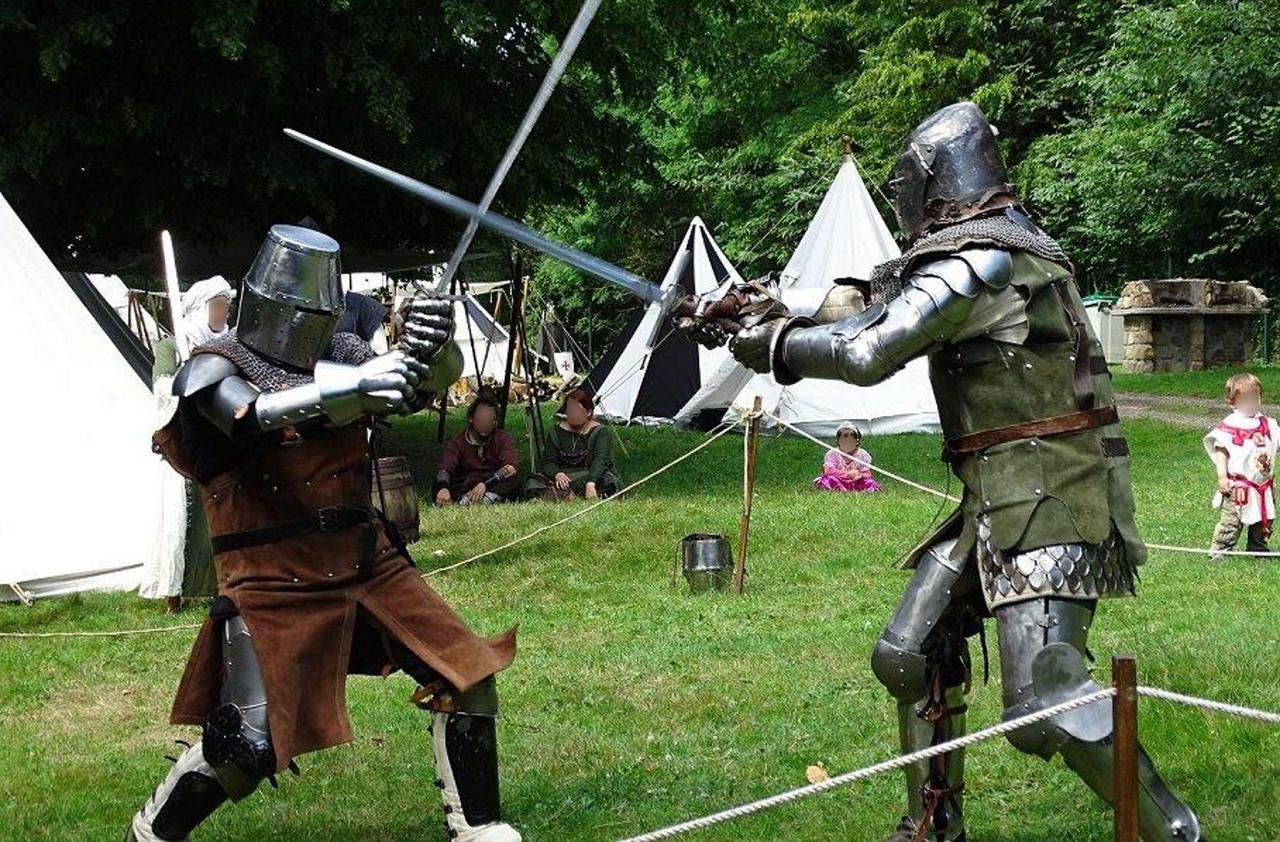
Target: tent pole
517,301
751,446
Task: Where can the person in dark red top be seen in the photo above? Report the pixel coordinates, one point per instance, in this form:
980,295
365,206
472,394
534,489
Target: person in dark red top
478,466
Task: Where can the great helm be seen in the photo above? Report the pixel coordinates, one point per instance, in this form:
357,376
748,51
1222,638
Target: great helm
292,297
949,170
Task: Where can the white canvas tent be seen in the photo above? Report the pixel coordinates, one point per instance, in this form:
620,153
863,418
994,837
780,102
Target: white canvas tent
80,498
846,239
653,370
483,341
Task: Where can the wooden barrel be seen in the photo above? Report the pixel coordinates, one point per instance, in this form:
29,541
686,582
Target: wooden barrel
399,493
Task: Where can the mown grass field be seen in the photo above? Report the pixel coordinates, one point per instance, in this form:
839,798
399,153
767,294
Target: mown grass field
633,705
1207,383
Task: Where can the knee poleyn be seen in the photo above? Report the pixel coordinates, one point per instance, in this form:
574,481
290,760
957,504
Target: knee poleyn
903,671
241,756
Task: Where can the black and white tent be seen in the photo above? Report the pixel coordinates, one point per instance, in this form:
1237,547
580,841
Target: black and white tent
653,370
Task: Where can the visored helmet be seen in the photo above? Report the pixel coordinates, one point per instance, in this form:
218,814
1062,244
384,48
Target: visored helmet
949,170
292,296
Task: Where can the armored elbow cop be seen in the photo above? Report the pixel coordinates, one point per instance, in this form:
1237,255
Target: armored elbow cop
803,348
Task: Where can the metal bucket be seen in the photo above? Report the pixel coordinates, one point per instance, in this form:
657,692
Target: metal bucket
706,561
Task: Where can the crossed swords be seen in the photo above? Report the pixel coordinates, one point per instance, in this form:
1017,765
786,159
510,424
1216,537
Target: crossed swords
718,309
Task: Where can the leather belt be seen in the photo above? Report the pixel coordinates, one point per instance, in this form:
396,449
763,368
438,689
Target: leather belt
1042,427
328,519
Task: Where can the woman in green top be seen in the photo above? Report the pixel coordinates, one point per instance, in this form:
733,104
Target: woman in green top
577,457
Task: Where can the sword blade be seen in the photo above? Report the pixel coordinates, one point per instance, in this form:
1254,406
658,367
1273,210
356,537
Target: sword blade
588,263
180,338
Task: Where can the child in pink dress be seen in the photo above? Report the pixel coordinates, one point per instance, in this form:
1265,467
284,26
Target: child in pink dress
847,466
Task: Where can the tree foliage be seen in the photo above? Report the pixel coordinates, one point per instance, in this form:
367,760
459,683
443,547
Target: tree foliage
1143,134
122,117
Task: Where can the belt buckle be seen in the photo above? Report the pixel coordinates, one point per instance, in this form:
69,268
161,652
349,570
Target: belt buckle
328,517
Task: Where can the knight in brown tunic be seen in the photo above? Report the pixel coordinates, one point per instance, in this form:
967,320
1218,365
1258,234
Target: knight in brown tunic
313,584
1045,527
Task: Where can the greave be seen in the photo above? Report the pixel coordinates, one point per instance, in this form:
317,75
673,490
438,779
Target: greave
466,753
935,786
186,797
1162,816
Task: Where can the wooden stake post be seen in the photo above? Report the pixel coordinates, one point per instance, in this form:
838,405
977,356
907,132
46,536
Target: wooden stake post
1124,710
751,445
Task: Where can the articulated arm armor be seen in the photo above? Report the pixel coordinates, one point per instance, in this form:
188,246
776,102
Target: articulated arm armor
402,380
339,394
937,300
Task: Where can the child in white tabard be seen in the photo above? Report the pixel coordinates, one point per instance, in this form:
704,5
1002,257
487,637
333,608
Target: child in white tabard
1243,449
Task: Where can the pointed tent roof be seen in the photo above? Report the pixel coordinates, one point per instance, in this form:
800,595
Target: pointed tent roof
477,330
847,238
652,370
106,454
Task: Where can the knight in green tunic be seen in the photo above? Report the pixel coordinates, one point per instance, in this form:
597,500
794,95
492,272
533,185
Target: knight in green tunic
1045,527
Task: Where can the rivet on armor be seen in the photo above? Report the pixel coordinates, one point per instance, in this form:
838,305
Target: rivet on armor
275,489
295,578
1038,492
986,503
330,575
1034,443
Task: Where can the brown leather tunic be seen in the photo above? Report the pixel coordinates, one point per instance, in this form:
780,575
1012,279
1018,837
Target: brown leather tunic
303,597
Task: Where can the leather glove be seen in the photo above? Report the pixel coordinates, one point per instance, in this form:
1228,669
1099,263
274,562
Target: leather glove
427,328
753,346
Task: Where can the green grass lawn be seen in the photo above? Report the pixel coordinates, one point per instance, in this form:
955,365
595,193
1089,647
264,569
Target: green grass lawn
1208,383
633,704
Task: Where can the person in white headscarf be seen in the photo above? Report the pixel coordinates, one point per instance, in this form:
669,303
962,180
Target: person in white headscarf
205,308
182,561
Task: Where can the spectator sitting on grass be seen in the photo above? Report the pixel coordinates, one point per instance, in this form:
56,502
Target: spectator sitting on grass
847,467
577,457
478,466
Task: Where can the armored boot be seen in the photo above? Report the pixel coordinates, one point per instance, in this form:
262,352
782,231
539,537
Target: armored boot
186,797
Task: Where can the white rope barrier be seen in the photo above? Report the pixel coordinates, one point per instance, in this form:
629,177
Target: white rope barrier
626,490
1210,704
1212,552
115,633
996,730
944,496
